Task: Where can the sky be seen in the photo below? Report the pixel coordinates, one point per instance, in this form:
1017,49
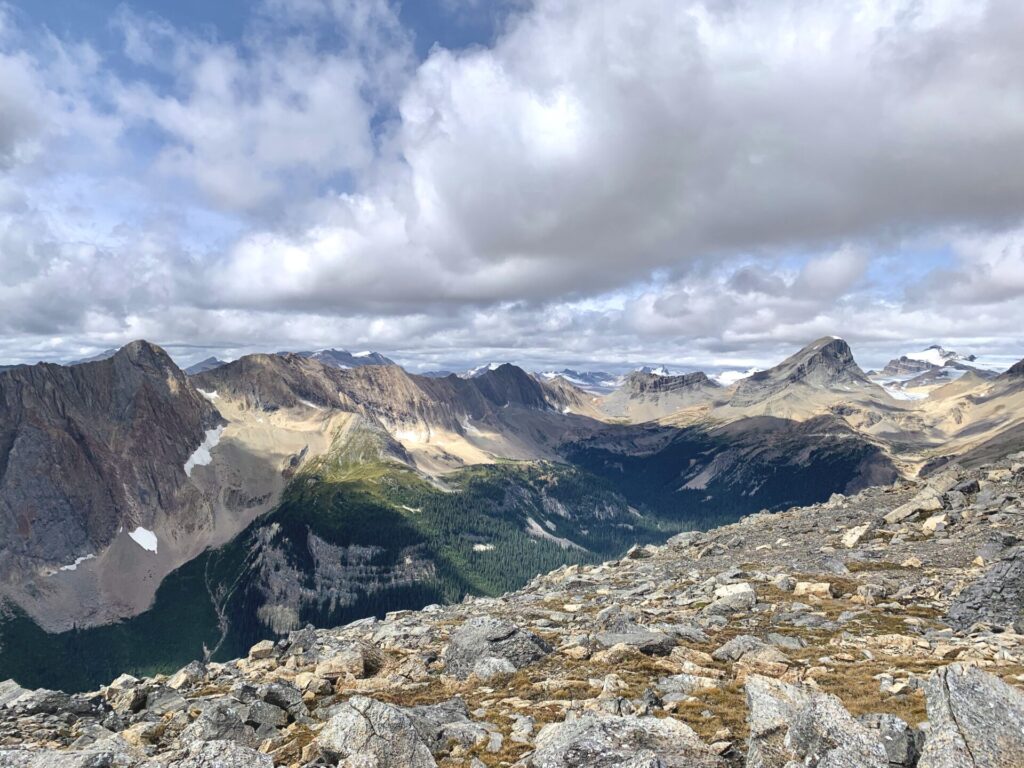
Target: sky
703,184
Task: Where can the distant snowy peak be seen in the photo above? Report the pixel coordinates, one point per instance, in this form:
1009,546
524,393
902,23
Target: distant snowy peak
929,361
938,356
659,370
591,381
480,370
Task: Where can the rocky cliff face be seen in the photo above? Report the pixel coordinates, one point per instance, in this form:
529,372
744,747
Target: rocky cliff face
856,632
826,364
89,453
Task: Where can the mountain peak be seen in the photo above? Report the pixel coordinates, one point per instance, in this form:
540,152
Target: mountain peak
1016,371
144,354
826,363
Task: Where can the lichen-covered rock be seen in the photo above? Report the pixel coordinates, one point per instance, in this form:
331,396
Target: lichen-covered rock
367,733
220,721
996,598
733,598
613,742
483,637
976,720
797,725
446,723
222,754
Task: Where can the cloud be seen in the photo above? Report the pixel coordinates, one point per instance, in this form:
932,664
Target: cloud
256,123
662,179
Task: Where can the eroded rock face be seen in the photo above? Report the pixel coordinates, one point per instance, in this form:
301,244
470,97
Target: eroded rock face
976,721
481,640
614,742
87,451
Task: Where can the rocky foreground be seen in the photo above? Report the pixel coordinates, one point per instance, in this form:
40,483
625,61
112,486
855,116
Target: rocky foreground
885,629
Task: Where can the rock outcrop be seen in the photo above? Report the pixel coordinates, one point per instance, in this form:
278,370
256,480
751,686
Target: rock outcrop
87,453
783,640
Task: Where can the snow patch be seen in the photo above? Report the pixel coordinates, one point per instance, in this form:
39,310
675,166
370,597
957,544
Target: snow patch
208,395
411,509
202,456
312,405
144,538
78,562
483,547
533,529
364,353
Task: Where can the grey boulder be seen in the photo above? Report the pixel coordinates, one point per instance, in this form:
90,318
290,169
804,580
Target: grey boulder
367,733
975,720
795,725
594,741
483,637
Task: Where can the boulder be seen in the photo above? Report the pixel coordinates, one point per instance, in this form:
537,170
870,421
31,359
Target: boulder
996,598
358,660
220,721
264,649
733,598
975,720
855,535
819,589
898,738
928,500
367,733
108,753
483,637
793,725
649,643
9,691
595,741
188,676
735,648
446,723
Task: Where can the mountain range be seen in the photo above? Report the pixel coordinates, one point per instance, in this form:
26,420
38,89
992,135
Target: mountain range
150,517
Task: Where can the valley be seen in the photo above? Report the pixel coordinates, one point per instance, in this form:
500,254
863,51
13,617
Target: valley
283,490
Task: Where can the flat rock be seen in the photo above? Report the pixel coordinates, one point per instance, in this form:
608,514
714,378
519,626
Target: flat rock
612,742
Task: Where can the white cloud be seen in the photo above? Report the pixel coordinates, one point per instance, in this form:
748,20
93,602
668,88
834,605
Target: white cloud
660,180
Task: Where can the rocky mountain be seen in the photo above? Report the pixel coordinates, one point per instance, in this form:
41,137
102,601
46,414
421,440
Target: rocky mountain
904,366
646,396
657,370
106,354
340,358
202,366
882,629
826,365
94,472
598,382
